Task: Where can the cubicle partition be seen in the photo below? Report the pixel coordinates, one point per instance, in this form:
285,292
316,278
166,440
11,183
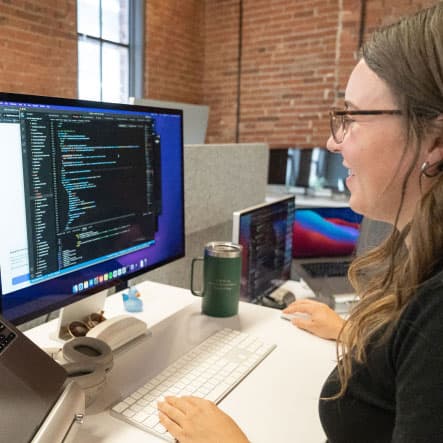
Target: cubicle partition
219,179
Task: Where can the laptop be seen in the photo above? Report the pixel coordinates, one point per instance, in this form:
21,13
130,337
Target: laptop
30,385
326,240
265,232
324,245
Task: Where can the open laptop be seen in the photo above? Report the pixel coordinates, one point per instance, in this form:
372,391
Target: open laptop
324,244
265,232
326,240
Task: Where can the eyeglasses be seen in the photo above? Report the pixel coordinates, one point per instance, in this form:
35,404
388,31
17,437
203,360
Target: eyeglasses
339,120
80,328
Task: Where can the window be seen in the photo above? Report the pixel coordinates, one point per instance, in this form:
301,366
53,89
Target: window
109,49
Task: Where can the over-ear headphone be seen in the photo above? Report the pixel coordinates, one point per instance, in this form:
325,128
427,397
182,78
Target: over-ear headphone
86,360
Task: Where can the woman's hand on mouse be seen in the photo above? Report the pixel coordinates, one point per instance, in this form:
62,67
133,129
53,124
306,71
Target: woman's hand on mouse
195,420
321,321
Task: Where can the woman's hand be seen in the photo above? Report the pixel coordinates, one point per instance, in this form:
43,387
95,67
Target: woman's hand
321,320
195,420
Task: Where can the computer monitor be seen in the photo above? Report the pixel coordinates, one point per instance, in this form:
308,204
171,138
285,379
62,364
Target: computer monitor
315,168
265,232
91,196
195,118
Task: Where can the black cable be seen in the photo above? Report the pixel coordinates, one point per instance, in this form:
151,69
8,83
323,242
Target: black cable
239,69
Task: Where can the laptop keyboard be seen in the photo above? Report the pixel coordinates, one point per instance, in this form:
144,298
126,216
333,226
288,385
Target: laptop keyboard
6,337
326,269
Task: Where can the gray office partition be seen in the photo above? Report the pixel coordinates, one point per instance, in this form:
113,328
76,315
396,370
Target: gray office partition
219,179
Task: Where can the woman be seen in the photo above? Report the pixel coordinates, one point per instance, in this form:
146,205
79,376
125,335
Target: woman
388,384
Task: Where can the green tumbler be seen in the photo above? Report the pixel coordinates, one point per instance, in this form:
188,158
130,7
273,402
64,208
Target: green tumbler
221,279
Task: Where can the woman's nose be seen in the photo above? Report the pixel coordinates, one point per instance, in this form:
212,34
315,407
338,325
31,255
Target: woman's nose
332,146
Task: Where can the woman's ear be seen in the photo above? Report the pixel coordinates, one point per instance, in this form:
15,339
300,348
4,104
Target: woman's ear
435,149
433,154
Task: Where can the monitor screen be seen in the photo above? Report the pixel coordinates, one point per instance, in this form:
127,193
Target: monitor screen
265,232
315,168
91,196
325,232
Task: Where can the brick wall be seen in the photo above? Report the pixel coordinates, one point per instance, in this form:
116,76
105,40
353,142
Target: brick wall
288,70
383,12
174,50
221,69
38,45
296,58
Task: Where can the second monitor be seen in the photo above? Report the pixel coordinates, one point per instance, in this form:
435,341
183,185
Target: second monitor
265,232
195,117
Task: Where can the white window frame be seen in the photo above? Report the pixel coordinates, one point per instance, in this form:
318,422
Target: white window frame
135,47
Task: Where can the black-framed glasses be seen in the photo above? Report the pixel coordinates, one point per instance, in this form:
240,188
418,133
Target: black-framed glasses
339,120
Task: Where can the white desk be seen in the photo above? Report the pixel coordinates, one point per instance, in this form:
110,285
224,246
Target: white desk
277,402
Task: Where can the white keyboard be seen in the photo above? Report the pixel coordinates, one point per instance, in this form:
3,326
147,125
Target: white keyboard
210,370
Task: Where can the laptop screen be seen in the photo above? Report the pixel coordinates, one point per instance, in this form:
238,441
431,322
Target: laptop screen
325,232
265,232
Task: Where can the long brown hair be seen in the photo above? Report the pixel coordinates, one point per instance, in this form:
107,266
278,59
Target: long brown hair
408,56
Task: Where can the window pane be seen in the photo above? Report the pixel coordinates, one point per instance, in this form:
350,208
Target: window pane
88,17
88,69
115,73
115,20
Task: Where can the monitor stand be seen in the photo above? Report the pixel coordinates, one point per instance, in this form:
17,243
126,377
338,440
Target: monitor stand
78,311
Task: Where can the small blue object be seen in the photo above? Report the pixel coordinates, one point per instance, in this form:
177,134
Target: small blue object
131,300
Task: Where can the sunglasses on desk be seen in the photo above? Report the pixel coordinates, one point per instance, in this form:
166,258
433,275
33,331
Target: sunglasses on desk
80,328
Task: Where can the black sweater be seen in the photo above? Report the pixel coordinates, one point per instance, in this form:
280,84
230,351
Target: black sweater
397,396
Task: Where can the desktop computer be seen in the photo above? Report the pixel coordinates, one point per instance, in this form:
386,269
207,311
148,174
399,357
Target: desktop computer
195,117
92,195
313,171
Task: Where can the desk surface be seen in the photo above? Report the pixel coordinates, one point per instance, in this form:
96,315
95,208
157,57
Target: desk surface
278,401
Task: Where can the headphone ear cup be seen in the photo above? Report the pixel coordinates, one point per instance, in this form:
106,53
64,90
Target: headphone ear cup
90,377
89,350
87,360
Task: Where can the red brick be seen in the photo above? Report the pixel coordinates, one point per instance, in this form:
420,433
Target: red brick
289,73
39,47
